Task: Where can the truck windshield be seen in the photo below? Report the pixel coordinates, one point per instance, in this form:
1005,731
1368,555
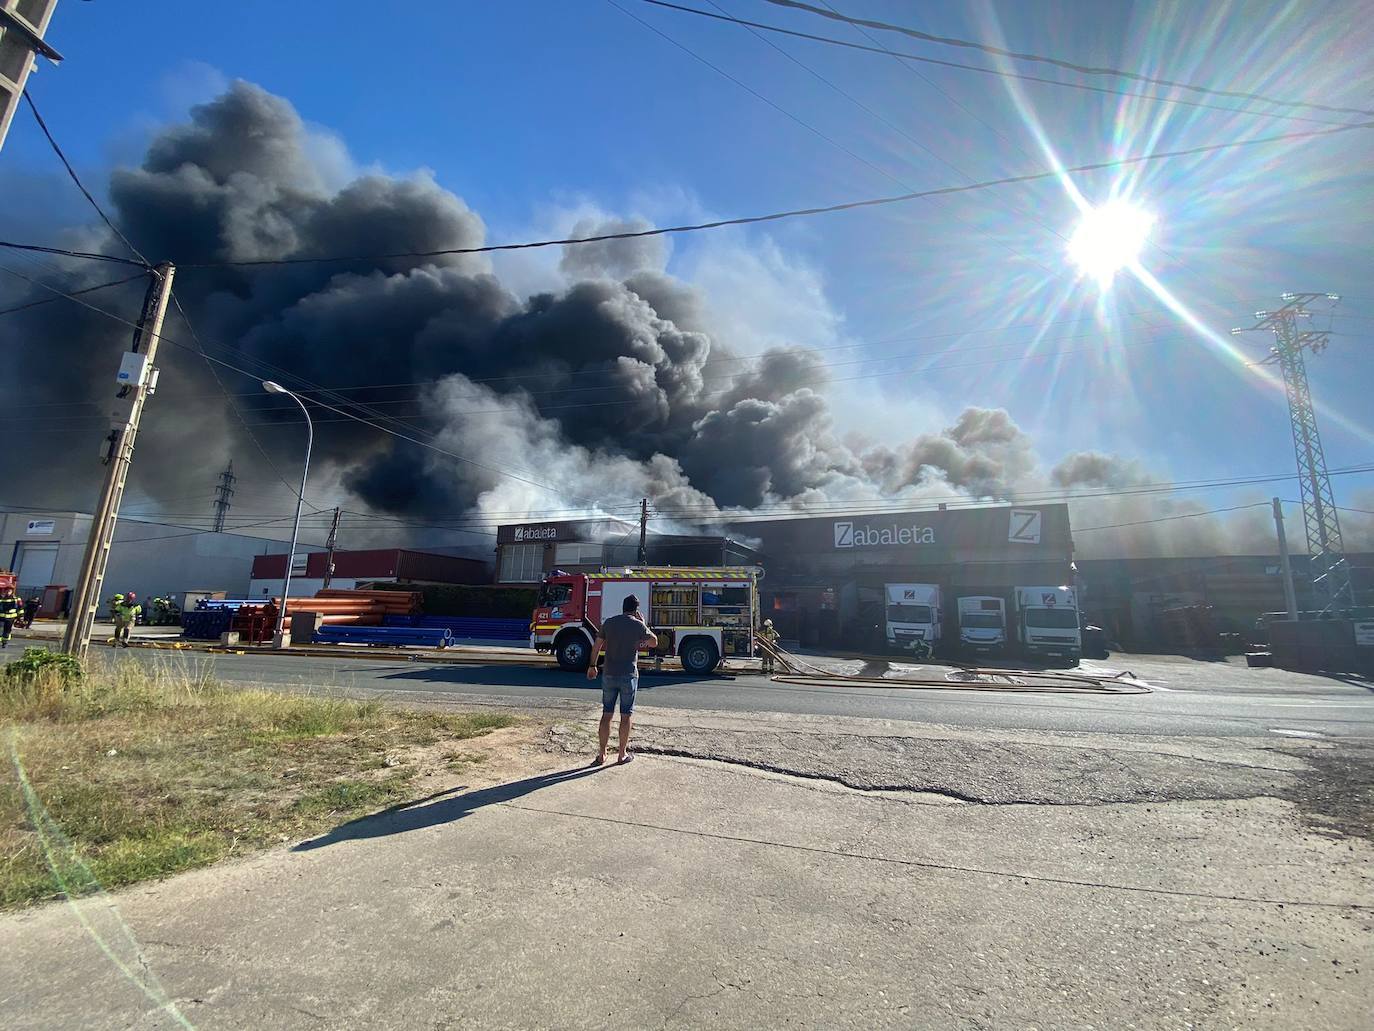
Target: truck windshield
554,594
1058,618
981,620
908,613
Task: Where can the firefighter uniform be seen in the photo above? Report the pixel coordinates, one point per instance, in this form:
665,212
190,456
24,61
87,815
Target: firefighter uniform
9,612
126,613
770,636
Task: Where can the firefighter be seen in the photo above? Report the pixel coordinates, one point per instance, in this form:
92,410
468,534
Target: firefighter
127,611
31,608
9,613
769,636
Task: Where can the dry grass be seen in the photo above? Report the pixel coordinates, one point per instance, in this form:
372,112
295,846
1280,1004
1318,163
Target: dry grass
129,774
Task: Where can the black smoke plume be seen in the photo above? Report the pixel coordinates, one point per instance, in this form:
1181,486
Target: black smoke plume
613,387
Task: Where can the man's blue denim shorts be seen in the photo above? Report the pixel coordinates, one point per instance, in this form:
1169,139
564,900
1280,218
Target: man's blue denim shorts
625,687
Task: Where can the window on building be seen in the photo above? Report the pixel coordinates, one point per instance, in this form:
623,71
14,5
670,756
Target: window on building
622,554
522,563
577,554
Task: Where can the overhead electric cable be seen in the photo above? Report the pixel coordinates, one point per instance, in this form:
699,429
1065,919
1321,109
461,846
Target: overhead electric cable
73,293
777,216
77,179
1000,73
1057,62
65,253
1169,518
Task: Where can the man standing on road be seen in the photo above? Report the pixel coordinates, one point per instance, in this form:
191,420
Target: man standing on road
621,636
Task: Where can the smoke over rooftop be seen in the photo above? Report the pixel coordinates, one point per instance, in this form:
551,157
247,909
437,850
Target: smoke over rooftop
612,387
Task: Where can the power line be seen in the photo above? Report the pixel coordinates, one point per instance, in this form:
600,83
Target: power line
776,216
76,179
892,505
314,400
1000,73
233,406
73,293
952,41
1166,519
65,253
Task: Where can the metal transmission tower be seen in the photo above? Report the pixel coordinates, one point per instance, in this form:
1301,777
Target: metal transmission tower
223,493
1329,570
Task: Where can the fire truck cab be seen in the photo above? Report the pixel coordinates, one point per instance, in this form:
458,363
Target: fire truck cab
701,615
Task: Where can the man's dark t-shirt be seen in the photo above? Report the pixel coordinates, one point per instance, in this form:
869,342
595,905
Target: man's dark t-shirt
622,634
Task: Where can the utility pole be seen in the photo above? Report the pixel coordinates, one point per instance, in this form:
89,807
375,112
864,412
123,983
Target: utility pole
644,532
223,493
1290,598
137,377
329,545
22,25
1329,570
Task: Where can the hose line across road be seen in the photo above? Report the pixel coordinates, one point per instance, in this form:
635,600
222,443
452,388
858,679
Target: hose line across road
1188,697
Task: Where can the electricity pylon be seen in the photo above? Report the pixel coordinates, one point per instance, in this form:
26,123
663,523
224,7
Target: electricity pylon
1329,570
223,493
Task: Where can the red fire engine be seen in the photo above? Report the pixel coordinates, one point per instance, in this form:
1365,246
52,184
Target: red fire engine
701,615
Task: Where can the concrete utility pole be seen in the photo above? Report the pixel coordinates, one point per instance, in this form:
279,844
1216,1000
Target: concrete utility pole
22,24
329,545
223,493
1329,569
137,377
644,532
1290,598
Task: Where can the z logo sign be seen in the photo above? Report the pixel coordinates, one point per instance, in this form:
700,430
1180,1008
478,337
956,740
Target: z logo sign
1025,526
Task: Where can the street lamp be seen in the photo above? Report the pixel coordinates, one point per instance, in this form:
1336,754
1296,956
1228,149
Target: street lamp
278,636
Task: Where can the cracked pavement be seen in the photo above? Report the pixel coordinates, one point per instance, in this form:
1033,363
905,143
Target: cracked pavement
770,871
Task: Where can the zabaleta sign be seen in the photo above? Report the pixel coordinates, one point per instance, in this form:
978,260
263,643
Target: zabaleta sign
852,534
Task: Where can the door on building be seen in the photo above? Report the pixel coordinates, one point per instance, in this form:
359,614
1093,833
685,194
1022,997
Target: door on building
35,564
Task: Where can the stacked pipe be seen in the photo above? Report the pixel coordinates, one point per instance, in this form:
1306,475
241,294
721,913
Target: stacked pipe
392,603
333,611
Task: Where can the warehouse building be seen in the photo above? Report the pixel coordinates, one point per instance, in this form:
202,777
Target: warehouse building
378,565
525,552
824,576
46,548
1129,598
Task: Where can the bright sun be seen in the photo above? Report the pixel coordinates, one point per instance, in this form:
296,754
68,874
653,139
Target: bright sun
1109,238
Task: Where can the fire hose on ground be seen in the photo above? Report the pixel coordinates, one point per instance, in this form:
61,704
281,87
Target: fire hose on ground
797,670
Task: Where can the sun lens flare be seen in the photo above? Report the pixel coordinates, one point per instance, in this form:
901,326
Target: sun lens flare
1109,238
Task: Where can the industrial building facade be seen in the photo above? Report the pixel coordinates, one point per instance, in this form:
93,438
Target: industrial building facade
525,552
824,576
374,565
45,548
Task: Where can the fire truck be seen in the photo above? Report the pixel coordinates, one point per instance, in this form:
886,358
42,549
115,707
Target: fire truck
701,615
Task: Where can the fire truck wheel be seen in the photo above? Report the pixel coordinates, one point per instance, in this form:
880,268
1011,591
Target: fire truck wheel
573,653
699,655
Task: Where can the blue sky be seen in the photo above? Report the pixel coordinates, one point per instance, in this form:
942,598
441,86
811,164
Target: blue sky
534,110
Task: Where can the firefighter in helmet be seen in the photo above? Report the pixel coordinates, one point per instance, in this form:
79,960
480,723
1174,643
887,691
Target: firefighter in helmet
769,635
9,613
126,613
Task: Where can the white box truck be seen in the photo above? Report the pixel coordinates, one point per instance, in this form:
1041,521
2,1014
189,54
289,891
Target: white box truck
1047,622
983,624
914,617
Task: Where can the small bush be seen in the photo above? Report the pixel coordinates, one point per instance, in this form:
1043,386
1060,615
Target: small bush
37,662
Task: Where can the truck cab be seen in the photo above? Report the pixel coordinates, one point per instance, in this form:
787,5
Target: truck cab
914,617
1047,622
983,624
701,615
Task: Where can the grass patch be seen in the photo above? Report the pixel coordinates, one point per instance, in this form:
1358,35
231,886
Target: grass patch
123,774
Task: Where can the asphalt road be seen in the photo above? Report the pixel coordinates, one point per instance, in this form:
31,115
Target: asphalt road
1191,697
